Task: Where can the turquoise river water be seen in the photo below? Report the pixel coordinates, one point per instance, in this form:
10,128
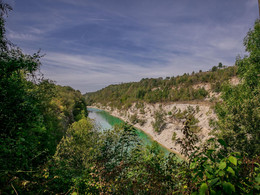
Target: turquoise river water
106,121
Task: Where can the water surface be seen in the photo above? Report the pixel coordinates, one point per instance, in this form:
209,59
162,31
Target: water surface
106,121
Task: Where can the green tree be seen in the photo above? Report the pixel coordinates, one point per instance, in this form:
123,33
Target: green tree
4,9
32,116
74,158
239,112
214,68
159,124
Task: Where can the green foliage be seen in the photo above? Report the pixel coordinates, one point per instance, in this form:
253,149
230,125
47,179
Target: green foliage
189,140
197,108
74,158
159,118
180,115
114,161
203,189
239,112
217,87
188,114
36,116
220,65
24,136
151,90
4,9
31,121
214,68
81,133
223,172
134,119
174,136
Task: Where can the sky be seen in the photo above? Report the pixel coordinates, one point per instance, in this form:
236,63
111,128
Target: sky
90,44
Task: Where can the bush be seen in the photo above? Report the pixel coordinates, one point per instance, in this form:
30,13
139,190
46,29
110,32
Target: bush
134,119
214,68
174,135
158,123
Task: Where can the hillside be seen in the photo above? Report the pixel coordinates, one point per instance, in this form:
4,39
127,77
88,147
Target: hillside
201,86
161,106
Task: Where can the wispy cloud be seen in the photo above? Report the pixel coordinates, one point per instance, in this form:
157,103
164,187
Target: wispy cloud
22,36
90,44
91,71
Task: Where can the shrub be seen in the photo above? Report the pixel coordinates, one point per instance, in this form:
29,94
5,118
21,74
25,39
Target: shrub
158,123
134,119
197,108
174,135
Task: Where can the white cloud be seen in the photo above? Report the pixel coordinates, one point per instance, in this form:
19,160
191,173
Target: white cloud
89,73
90,44
22,36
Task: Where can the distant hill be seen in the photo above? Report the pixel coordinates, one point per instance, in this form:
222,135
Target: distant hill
200,86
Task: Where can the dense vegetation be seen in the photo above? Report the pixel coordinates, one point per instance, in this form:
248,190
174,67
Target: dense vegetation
49,146
179,88
34,113
238,113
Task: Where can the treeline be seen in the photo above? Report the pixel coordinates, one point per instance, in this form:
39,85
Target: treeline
152,90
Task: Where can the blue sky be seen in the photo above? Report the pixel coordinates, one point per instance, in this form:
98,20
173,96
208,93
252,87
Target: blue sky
90,44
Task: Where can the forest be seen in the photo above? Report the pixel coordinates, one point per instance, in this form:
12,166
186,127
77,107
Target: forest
170,89
50,146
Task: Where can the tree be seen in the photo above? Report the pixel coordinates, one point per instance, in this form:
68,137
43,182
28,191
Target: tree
33,118
4,9
214,68
239,112
159,124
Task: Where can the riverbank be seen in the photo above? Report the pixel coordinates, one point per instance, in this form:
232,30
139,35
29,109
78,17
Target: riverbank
204,114
141,129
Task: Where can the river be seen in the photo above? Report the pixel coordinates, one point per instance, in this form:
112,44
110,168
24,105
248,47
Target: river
106,121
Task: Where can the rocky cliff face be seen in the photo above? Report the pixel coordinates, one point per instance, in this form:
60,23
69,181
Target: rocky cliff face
144,116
